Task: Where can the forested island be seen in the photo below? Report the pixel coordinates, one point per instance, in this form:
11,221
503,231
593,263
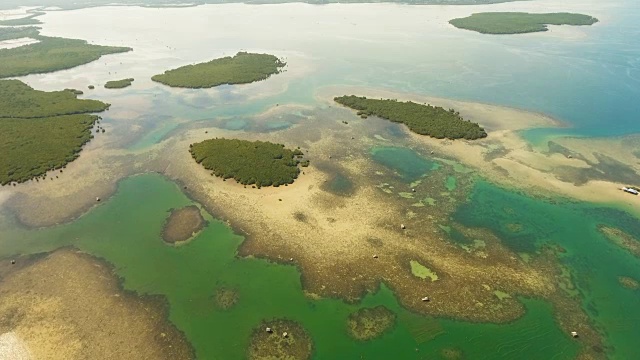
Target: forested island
243,68
256,163
48,54
27,20
41,131
518,22
118,84
429,120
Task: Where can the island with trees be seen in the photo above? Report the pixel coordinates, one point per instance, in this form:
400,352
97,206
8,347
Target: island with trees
118,84
518,22
41,131
243,68
422,119
257,163
49,54
11,33
27,20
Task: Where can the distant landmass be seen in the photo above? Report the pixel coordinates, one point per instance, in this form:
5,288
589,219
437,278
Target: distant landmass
77,4
518,22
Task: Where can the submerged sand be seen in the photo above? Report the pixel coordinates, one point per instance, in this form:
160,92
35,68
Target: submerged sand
68,305
182,224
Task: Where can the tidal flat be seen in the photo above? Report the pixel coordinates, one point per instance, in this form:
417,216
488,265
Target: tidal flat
374,199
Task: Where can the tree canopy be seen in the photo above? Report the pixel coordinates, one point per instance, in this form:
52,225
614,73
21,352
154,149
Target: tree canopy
19,100
518,22
243,68
248,162
429,120
48,54
118,84
41,131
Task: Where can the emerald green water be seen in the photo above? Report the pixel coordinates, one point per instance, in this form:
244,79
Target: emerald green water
594,262
125,231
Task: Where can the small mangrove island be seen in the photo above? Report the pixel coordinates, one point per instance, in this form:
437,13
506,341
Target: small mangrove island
425,119
49,54
41,131
118,84
257,163
182,224
280,339
518,22
243,68
370,323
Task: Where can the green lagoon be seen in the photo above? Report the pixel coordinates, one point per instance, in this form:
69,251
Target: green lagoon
125,231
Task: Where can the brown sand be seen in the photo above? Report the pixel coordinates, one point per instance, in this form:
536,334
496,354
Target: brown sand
68,305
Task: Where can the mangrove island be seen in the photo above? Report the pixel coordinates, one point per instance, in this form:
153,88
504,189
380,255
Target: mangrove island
118,84
425,119
256,163
243,68
49,54
518,22
41,131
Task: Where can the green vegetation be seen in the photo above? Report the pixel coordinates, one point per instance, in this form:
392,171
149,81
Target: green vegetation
27,20
10,33
41,131
75,91
19,100
243,68
49,54
258,162
118,84
517,22
429,120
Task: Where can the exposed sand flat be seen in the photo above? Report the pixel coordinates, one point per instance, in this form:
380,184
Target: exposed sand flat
68,305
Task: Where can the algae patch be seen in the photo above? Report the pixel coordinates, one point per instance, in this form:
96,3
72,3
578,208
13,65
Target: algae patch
370,323
225,298
422,271
629,283
280,339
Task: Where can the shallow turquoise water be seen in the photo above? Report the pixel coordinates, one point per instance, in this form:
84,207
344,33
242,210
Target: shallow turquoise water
405,162
595,263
